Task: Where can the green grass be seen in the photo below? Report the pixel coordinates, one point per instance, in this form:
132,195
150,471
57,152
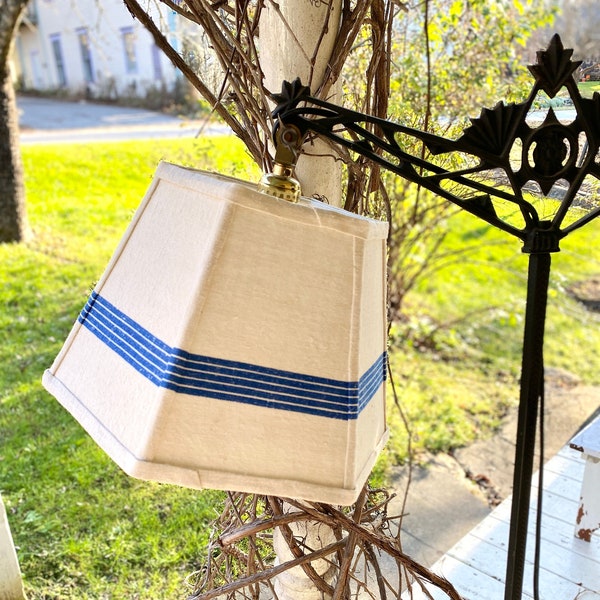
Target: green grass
85,530
457,359
588,88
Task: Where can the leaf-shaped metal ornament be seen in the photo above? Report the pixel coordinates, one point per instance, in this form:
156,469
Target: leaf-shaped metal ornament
554,67
493,133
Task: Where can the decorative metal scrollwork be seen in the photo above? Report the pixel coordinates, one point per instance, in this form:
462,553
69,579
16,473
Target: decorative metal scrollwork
501,139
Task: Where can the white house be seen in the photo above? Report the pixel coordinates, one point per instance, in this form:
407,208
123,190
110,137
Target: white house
92,48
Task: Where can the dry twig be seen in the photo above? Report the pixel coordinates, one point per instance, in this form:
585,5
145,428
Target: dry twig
364,544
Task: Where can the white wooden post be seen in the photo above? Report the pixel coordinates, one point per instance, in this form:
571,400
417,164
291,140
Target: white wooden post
11,584
294,584
587,441
292,45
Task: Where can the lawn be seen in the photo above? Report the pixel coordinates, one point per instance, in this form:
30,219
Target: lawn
458,356
85,530
589,88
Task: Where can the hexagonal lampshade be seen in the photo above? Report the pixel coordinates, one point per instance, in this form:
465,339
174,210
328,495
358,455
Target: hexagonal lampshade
235,341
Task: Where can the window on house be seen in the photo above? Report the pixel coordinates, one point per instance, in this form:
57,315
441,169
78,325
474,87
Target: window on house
86,55
56,44
156,64
36,69
172,24
128,37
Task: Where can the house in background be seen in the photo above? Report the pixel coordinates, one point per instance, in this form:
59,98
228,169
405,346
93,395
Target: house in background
86,48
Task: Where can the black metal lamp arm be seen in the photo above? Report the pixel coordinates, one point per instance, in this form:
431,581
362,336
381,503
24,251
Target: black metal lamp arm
500,138
350,129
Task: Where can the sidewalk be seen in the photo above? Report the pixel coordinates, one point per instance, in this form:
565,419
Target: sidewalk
444,504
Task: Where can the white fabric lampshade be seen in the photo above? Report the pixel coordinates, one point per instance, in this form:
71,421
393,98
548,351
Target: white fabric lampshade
235,341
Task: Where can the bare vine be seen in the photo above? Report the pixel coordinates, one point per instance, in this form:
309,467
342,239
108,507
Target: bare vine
232,29
240,561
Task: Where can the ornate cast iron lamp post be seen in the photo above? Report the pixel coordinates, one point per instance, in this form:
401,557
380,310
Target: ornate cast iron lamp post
501,141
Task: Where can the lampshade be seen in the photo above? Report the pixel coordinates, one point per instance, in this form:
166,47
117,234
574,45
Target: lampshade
235,341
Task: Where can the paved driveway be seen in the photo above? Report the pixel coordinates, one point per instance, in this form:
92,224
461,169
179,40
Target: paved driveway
44,120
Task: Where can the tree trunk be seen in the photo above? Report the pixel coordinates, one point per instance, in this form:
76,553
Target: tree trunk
13,221
298,38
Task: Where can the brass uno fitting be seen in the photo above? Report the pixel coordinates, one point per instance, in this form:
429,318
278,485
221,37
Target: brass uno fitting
280,183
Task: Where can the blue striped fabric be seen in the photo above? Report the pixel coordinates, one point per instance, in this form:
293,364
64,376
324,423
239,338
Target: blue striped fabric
188,373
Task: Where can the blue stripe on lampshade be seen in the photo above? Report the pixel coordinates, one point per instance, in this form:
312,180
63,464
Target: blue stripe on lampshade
187,373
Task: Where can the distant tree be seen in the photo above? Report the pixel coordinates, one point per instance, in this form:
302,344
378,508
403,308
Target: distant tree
450,59
13,222
578,25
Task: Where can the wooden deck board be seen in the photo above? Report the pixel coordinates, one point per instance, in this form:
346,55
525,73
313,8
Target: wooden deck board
570,567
